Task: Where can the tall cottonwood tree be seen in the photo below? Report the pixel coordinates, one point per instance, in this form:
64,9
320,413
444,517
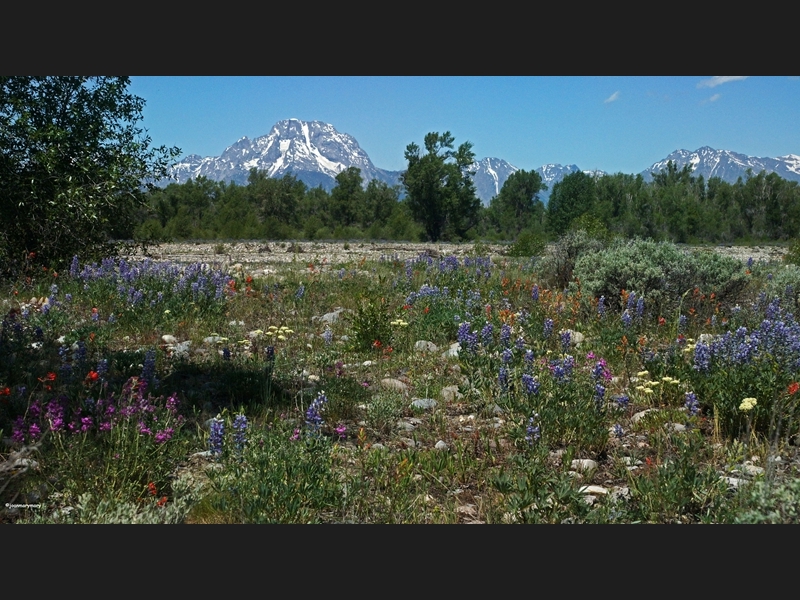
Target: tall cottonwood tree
439,190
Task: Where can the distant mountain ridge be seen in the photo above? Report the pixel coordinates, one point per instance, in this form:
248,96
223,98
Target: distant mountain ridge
315,152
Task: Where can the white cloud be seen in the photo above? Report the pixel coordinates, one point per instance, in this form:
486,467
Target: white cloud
612,97
715,97
719,80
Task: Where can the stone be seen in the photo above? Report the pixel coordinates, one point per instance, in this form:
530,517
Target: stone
676,427
394,385
169,339
452,352
425,346
451,393
596,490
641,414
423,403
583,464
440,445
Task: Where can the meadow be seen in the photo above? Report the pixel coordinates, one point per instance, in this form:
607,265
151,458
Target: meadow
600,382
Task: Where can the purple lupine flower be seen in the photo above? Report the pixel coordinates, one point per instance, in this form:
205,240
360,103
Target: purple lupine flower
532,432
486,334
702,357
301,291
548,328
520,343
622,401
530,383
691,404
750,263
626,318
640,308
506,356
505,334
682,323
529,357
565,339
327,335
217,435
618,430
502,378
240,432
535,293
74,267
599,394
314,412
631,301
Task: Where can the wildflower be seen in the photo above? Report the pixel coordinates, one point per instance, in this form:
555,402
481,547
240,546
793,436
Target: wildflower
748,404
530,383
164,435
535,293
626,318
240,428
327,335
565,339
507,356
682,323
792,389
505,334
486,334
618,430
314,412
548,327
532,432
92,376
217,434
502,377
622,400
295,435
151,489
340,431
661,321
702,357
691,403
162,501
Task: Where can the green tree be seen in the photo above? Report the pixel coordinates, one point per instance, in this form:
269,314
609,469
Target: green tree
439,189
517,206
75,166
571,197
347,198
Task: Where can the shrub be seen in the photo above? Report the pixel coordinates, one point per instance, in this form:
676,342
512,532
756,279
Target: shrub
658,271
527,243
557,265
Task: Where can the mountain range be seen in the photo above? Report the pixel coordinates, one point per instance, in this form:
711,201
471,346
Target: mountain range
315,152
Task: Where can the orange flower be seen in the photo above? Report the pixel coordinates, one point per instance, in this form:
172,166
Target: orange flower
792,389
6,391
162,502
151,488
661,321
376,344
92,376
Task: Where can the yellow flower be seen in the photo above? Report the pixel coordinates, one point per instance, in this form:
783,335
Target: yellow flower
643,374
748,404
282,337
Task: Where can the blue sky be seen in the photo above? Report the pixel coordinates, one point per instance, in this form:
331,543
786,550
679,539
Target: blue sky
616,124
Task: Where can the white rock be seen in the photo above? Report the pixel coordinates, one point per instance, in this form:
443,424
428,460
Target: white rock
452,352
597,490
676,427
425,346
169,339
640,415
583,464
440,445
451,393
423,403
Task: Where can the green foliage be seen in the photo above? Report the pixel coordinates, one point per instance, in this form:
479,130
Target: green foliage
770,501
277,480
658,271
440,192
372,329
517,206
557,265
73,158
527,243
571,197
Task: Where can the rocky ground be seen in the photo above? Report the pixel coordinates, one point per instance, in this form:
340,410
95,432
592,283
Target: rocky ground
255,255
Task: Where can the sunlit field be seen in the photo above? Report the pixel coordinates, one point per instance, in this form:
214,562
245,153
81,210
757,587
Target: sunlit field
627,382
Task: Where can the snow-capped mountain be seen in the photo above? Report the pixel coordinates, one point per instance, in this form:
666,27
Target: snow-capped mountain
313,151
489,176
727,165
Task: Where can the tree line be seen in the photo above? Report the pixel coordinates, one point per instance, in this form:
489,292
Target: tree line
436,201
78,173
